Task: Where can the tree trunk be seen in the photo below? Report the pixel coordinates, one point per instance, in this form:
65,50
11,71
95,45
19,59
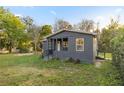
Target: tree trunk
35,47
10,48
104,55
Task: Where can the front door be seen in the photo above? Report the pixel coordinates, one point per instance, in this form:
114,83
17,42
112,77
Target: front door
58,46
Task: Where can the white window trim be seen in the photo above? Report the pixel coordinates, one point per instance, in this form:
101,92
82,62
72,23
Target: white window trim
79,44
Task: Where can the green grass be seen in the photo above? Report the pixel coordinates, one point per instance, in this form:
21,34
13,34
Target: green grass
108,55
32,70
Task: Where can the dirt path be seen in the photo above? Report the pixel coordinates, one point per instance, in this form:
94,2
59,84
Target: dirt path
23,54
98,63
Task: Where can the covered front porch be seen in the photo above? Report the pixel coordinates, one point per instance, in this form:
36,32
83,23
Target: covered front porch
55,44
59,44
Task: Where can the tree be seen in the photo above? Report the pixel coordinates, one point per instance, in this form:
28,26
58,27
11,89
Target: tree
107,34
114,24
33,31
75,27
104,42
97,31
62,25
86,25
3,39
46,30
24,44
117,44
34,34
12,26
28,21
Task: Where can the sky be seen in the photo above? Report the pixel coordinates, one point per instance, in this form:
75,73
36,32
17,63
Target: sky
73,14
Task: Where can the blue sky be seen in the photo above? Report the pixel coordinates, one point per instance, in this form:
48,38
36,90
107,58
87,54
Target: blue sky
73,14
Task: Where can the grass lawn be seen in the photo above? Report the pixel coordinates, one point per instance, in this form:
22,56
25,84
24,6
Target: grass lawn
32,70
108,55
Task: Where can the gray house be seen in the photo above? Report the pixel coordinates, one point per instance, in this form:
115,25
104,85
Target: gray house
70,44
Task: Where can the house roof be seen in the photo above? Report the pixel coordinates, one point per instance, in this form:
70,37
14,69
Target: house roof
81,32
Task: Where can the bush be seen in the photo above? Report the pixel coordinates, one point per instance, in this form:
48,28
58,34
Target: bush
118,54
57,58
71,60
23,50
77,61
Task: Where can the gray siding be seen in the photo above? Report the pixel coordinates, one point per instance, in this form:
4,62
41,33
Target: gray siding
86,55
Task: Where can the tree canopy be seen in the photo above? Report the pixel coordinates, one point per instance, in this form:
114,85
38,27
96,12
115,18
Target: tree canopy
86,25
62,25
117,44
46,30
107,35
12,26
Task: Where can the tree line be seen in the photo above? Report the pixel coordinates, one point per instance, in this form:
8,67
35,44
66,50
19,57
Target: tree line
23,33
20,32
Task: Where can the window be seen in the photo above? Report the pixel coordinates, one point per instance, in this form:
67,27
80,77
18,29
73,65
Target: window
79,44
65,45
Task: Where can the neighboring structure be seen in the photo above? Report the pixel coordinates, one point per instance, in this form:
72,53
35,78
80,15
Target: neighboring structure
71,44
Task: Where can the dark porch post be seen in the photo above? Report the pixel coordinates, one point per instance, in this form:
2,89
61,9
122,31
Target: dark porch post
51,43
62,43
48,48
56,44
52,46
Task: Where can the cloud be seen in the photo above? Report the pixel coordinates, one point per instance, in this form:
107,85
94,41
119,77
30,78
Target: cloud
100,18
19,15
28,6
118,10
113,16
53,12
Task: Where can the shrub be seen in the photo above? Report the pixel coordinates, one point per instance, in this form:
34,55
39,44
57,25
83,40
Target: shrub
70,60
23,50
57,58
118,54
54,59
77,61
